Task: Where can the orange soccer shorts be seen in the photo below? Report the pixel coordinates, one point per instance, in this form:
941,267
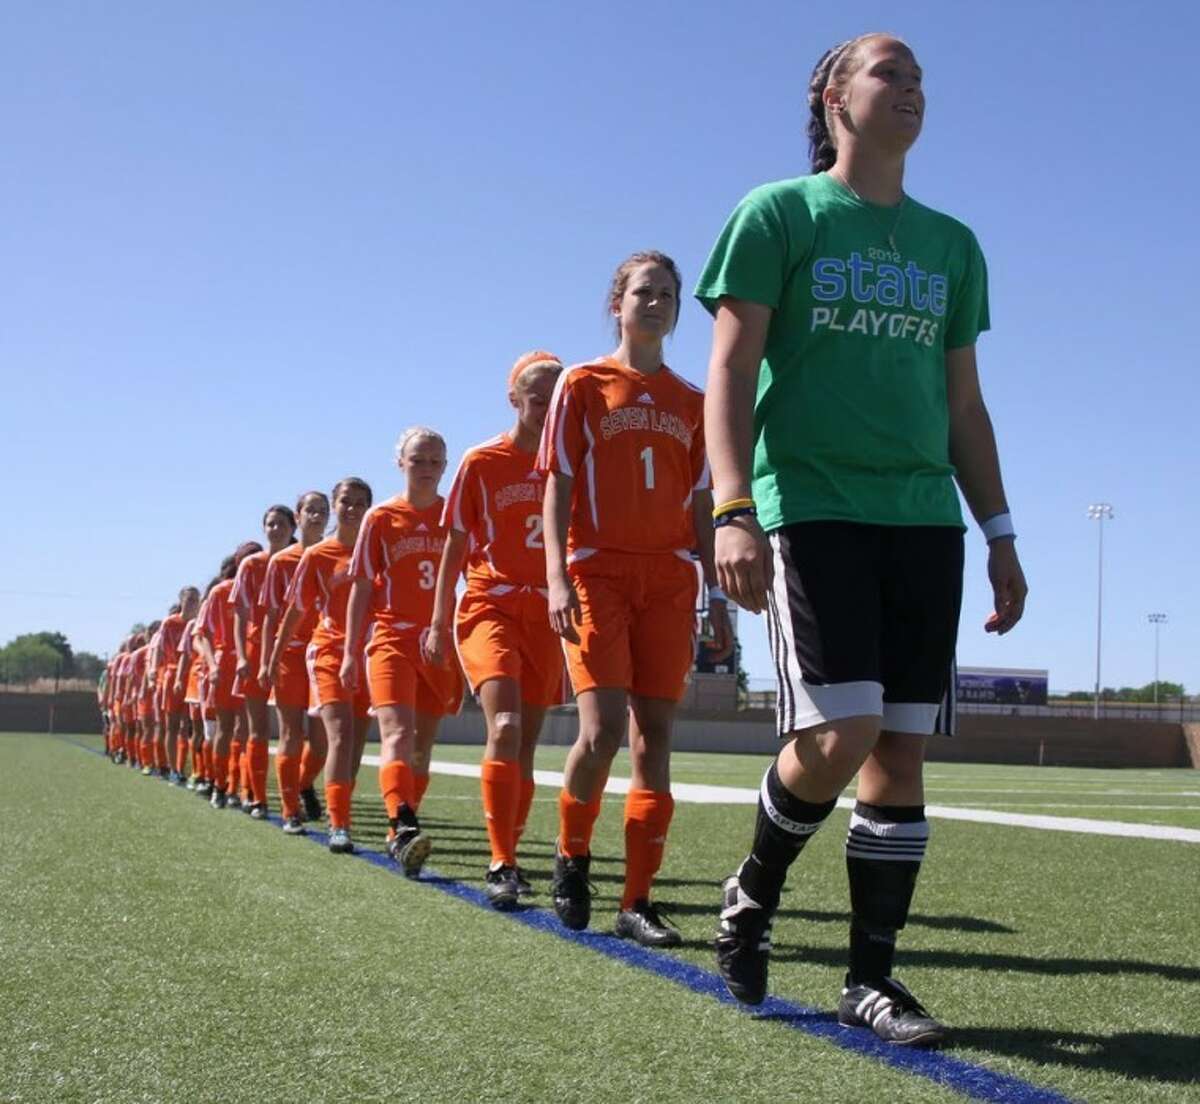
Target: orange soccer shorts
170,699
509,636
638,623
325,683
250,687
191,693
398,674
291,681
221,686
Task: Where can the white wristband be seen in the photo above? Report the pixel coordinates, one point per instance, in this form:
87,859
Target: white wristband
997,526
716,594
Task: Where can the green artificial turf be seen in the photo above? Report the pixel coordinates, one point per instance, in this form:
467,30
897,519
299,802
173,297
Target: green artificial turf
154,949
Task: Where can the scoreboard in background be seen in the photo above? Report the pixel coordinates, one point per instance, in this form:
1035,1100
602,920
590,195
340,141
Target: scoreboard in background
1002,686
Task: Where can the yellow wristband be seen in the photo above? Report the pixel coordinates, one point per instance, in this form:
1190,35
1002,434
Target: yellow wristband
732,504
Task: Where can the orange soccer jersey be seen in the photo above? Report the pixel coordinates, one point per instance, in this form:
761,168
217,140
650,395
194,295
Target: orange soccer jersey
217,626
321,586
170,635
291,681
398,550
502,628
634,446
245,599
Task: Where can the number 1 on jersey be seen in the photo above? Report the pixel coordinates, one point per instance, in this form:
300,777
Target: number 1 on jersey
647,455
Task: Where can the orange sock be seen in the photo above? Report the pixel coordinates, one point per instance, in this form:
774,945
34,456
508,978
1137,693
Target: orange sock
259,759
160,753
311,764
145,754
420,785
207,764
500,782
576,819
220,774
337,801
234,775
524,803
181,750
287,771
244,772
647,818
396,783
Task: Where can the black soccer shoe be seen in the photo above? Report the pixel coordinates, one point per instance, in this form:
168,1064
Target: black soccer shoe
501,888
743,943
524,886
892,1012
409,847
311,804
644,924
571,890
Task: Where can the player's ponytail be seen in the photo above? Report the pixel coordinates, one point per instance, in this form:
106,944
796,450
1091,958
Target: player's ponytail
835,66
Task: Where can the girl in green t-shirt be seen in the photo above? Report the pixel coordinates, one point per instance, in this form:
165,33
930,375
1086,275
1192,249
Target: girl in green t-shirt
843,403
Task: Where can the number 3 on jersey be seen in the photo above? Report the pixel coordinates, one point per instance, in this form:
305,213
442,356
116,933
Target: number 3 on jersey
428,574
647,455
533,539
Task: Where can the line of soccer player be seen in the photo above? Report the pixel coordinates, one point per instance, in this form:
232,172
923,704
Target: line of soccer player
576,531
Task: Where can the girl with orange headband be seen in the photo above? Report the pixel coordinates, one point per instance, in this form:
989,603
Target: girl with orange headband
511,656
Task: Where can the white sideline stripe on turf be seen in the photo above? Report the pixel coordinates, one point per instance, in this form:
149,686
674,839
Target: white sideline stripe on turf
740,795
693,792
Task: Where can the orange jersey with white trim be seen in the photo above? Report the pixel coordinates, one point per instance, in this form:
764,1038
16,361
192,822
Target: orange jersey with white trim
281,569
321,586
244,598
496,499
218,617
136,674
634,446
399,548
169,636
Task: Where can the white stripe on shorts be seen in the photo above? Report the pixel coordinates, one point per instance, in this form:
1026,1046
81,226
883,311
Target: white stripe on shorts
801,704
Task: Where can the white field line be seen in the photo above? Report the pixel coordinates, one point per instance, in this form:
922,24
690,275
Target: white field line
739,795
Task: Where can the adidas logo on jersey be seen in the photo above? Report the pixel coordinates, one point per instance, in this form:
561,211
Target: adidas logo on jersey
646,397
422,528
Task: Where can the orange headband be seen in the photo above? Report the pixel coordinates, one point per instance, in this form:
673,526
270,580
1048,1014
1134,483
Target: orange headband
538,356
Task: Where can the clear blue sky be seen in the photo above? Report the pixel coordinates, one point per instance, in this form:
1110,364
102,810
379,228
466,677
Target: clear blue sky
245,243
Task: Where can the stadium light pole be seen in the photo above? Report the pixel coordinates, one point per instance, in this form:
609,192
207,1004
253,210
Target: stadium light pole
1157,620
1101,512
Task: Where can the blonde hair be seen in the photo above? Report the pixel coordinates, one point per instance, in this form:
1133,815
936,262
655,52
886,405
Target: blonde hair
420,433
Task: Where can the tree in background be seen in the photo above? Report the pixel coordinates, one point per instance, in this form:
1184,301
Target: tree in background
30,657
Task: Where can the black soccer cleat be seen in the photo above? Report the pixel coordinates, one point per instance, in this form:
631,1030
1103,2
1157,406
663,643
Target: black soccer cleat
258,810
892,1012
524,886
311,804
502,888
743,943
409,847
645,924
571,890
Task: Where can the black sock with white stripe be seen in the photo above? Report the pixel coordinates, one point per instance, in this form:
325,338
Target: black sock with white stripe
884,849
784,825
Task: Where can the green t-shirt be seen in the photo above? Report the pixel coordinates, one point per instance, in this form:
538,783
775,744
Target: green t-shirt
850,421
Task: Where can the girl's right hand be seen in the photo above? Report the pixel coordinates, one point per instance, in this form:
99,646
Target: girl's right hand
433,646
745,567
349,672
565,611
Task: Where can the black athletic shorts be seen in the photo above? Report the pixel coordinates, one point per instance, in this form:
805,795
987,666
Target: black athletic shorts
863,621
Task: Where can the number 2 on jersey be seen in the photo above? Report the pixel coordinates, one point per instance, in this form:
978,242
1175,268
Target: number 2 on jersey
647,455
533,539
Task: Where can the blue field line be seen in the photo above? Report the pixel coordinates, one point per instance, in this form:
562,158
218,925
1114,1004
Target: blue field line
975,1082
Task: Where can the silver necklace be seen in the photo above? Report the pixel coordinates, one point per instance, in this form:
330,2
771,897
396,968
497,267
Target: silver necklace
889,234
